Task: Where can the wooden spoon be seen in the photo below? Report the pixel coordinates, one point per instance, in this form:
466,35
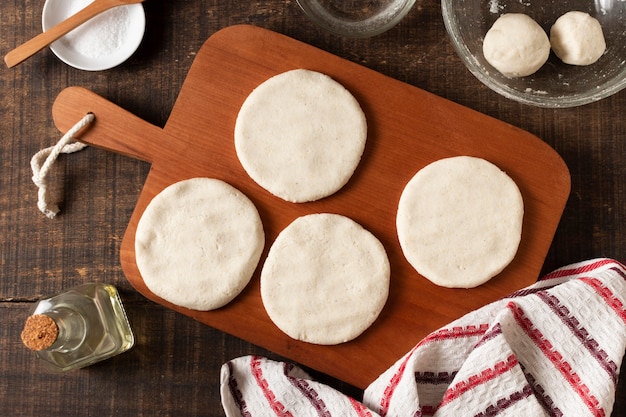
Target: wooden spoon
36,44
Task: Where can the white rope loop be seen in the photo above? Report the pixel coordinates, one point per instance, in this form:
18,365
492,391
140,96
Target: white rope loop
42,162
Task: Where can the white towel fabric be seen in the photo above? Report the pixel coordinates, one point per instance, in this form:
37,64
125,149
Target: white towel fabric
552,349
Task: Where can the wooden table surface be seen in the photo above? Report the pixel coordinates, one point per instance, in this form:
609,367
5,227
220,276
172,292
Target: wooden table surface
174,368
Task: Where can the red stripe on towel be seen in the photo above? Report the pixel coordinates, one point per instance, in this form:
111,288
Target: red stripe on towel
557,360
483,377
276,406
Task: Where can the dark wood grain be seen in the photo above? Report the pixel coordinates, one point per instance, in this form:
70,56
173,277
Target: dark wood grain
174,368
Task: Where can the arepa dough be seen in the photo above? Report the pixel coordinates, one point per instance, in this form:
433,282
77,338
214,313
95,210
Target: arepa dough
577,38
325,280
516,45
459,221
300,135
198,243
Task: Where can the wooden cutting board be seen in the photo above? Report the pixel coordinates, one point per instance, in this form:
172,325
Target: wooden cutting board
408,128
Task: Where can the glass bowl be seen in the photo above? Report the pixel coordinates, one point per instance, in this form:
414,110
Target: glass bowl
555,84
101,43
356,18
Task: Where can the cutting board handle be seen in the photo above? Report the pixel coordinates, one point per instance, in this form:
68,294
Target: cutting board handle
113,129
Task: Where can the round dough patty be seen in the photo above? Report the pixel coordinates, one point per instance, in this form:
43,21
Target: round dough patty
459,221
577,38
300,135
516,45
198,243
325,280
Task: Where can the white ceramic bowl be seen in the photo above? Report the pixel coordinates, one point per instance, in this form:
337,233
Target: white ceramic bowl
556,84
101,43
355,18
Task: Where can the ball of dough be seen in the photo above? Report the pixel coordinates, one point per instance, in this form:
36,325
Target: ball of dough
516,45
577,38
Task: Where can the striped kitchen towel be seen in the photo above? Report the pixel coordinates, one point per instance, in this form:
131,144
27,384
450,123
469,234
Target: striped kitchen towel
552,349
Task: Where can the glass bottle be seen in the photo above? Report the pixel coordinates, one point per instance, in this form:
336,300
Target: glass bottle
78,327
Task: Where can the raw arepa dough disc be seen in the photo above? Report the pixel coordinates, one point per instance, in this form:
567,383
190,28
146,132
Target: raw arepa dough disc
325,280
198,243
459,221
300,135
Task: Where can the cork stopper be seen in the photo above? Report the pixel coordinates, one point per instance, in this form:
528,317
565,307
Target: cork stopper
40,332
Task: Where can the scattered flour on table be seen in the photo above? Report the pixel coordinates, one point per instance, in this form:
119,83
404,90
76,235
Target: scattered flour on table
494,6
100,36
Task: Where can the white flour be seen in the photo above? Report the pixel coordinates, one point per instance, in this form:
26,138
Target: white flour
100,36
494,6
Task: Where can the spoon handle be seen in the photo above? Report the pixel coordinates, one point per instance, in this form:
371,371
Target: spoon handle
39,42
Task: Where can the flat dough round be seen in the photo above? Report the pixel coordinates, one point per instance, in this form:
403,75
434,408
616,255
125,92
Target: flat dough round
325,280
516,45
459,221
198,243
300,135
577,38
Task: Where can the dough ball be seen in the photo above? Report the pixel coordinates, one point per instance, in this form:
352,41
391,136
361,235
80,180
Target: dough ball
459,221
577,38
198,243
325,280
300,135
516,45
